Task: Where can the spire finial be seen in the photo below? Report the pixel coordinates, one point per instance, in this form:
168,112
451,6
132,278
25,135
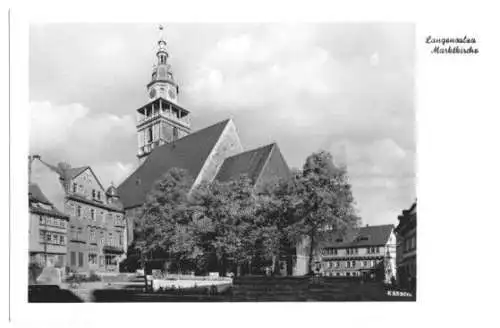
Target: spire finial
161,27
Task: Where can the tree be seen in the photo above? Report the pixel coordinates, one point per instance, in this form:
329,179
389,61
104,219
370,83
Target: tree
165,210
225,215
321,199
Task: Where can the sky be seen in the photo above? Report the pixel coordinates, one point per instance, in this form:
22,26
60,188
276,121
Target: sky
347,88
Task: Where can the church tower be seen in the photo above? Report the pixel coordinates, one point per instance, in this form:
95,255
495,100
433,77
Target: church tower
161,120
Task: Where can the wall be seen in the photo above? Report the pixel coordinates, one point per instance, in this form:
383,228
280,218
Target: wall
228,145
36,244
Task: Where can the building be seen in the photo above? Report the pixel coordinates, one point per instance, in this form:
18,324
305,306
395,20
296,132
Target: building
47,231
368,252
165,141
96,232
406,233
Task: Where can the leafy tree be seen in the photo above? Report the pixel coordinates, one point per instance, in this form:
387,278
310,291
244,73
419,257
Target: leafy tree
225,214
321,198
159,230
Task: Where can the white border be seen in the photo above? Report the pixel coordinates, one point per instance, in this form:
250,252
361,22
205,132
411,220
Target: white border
458,170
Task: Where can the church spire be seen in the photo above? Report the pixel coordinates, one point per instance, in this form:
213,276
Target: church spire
161,120
162,82
162,52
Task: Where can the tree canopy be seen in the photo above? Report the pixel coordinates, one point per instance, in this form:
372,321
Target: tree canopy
222,226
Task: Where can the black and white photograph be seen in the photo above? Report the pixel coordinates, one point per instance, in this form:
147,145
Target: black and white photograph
251,164
222,162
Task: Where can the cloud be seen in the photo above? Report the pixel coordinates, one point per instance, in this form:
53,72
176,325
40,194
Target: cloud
113,172
74,134
305,86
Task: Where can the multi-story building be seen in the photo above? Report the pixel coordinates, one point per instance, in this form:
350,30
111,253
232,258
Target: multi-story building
47,230
96,232
368,251
406,233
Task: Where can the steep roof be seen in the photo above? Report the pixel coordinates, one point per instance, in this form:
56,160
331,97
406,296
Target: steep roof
35,196
75,171
189,153
250,163
365,236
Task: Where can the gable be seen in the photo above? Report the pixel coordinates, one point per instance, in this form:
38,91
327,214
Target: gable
274,168
49,181
249,163
190,153
87,181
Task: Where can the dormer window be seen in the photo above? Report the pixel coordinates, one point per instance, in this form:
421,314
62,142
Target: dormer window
75,187
93,193
99,195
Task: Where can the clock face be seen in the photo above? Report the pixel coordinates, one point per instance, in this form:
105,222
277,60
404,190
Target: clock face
171,93
152,93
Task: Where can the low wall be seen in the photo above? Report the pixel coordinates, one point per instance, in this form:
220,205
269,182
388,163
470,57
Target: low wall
158,284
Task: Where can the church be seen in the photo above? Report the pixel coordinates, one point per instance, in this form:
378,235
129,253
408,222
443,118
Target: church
165,141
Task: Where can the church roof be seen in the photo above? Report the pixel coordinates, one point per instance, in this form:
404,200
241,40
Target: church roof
189,153
251,163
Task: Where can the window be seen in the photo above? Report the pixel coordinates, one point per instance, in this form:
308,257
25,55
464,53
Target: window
99,195
150,134
121,239
92,214
42,220
176,133
365,264
42,236
413,242
93,193
353,264
92,258
80,259
73,258
362,238
348,264
75,187
78,211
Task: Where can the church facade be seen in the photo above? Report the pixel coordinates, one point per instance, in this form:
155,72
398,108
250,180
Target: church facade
165,141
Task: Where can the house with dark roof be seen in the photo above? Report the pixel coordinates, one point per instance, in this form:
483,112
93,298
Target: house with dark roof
360,252
47,230
94,236
406,233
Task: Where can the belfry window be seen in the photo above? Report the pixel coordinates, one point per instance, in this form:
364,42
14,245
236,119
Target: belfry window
150,134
